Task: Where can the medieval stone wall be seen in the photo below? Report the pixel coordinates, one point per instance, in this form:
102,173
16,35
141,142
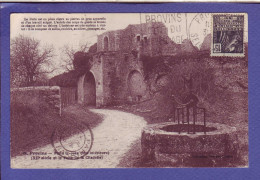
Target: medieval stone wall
148,39
122,56
119,54
49,94
97,72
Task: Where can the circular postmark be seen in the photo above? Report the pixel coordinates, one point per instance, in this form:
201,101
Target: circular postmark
199,28
72,141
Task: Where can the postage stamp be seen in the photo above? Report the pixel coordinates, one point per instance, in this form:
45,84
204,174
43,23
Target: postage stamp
228,35
128,90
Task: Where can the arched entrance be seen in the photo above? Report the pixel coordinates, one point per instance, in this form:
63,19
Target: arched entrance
136,85
89,88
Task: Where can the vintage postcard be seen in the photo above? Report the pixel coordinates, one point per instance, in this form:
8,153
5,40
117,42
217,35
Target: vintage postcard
128,90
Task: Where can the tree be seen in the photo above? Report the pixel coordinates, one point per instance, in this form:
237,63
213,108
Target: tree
29,61
82,62
68,53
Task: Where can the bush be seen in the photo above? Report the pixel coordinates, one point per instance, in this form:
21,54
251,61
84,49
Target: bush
82,62
32,122
219,83
67,79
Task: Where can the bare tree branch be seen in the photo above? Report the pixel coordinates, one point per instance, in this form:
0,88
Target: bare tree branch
28,58
68,55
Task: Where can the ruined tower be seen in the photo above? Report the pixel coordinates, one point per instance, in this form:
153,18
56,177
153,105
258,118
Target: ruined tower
117,72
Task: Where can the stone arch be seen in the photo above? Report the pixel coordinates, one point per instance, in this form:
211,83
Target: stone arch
89,86
136,85
87,89
105,43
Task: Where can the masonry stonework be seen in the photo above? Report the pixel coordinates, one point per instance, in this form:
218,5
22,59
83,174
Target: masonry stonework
117,66
48,94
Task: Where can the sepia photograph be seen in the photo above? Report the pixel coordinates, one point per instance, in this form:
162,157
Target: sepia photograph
128,90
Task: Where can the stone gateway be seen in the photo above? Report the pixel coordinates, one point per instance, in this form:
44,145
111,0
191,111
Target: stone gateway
117,69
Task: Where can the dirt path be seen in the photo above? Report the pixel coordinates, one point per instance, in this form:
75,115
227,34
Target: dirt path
113,137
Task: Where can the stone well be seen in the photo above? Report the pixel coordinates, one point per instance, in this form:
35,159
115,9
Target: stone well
170,138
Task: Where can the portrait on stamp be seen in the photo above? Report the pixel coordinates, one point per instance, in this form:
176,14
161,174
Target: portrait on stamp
228,34
128,90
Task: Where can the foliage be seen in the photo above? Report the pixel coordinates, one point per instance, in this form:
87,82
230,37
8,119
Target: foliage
92,49
201,77
82,62
29,61
76,64
154,65
68,52
67,79
215,81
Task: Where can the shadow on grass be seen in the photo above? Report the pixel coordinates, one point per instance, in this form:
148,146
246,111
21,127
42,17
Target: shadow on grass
32,127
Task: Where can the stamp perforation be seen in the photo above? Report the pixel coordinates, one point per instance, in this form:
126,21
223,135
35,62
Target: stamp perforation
228,54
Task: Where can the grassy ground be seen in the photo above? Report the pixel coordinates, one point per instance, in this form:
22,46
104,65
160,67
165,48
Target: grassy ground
231,110
33,122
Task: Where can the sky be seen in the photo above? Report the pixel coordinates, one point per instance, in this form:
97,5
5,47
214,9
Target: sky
193,26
